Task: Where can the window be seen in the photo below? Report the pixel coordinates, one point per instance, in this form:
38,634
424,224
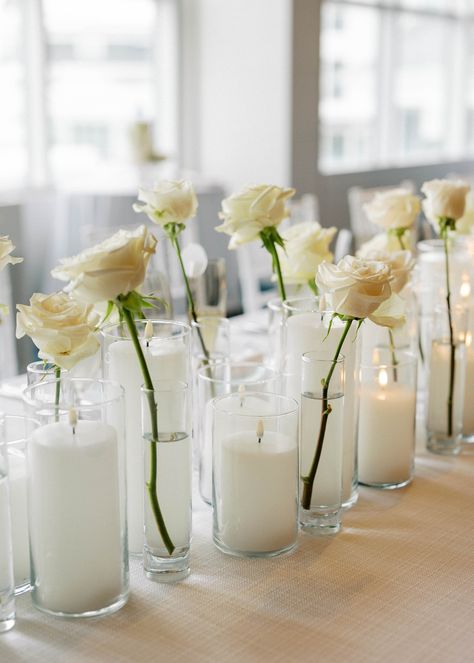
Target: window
390,87
89,72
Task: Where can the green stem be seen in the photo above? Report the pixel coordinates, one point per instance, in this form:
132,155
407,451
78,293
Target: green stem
308,480
189,295
452,354
277,267
401,242
150,393
57,375
392,352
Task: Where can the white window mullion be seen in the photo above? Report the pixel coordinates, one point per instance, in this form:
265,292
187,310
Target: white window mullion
35,76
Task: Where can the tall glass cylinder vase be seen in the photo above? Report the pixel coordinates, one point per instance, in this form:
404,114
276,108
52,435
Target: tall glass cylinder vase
17,430
167,452
168,357
444,412
218,379
387,419
211,340
307,329
209,290
275,331
255,475
468,410
76,497
39,371
7,583
321,442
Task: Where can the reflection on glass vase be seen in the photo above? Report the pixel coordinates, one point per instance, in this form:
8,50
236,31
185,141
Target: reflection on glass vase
211,340
306,329
7,584
321,442
167,488
446,381
209,290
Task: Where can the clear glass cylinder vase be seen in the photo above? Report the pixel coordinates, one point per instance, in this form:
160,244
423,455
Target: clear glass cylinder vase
39,371
446,361
76,497
209,289
321,442
166,425
468,410
307,329
16,432
210,340
168,357
275,330
7,583
218,379
255,475
387,419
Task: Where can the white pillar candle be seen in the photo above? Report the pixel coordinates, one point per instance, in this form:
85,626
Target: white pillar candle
166,360
468,413
306,333
249,405
386,433
438,389
327,487
174,493
257,500
74,505
6,565
19,515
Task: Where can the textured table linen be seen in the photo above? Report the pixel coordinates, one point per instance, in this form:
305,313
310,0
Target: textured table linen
397,584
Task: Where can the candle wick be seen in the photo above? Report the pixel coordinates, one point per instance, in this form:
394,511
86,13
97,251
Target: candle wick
73,420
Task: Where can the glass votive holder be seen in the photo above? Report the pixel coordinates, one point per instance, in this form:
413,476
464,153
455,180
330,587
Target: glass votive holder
167,480
39,371
7,583
445,398
468,410
387,419
255,475
168,357
76,497
17,430
321,442
217,379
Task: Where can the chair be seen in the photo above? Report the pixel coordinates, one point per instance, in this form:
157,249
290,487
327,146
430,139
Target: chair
362,228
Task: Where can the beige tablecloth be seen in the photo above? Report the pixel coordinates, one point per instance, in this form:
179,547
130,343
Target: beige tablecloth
397,584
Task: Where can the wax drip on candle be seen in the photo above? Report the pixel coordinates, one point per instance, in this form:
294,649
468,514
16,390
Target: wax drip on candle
148,334
73,419
242,394
260,430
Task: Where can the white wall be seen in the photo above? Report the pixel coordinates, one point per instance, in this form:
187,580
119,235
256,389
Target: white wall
244,65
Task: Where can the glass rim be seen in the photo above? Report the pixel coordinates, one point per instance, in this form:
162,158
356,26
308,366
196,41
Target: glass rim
428,245
286,304
403,358
292,403
178,386
39,366
204,318
224,364
183,326
314,356
79,406
275,304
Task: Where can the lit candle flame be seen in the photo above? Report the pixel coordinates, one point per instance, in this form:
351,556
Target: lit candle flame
465,289
383,378
468,339
242,394
260,430
148,333
73,419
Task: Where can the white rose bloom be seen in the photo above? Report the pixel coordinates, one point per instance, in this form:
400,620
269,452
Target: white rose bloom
385,242
168,202
248,212
444,199
396,208
465,225
355,288
114,267
6,247
61,327
306,246
401,264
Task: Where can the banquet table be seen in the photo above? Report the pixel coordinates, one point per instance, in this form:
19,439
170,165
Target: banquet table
396,584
